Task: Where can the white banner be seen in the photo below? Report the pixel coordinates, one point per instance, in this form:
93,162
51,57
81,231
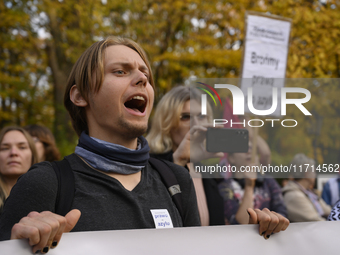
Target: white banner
316,238
265,58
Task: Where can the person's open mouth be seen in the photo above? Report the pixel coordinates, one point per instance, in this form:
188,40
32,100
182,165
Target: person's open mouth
136,103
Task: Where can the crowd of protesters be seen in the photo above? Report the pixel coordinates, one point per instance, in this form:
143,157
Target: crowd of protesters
112,158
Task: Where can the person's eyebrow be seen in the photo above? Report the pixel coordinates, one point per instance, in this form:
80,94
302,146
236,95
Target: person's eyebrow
128,65
144,68
22,143
19,143
119,64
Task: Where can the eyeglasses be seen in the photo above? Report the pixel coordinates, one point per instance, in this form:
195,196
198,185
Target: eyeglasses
188,118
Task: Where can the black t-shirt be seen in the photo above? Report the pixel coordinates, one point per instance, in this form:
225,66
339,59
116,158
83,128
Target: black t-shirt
104,203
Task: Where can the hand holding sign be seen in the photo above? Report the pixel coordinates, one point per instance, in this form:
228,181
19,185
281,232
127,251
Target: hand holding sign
44,230
270,222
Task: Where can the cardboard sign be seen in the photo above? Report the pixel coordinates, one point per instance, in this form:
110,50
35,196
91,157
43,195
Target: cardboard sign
265,58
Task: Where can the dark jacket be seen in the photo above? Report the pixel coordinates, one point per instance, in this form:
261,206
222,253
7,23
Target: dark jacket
214,199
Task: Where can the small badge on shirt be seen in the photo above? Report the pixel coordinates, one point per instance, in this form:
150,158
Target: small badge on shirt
162,218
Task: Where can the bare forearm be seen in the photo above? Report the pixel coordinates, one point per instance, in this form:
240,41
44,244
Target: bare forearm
247,202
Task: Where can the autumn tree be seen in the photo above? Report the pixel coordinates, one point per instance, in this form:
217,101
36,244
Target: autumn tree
42,39
23,69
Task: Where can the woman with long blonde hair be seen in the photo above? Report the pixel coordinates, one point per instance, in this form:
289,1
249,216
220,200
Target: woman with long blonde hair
176,126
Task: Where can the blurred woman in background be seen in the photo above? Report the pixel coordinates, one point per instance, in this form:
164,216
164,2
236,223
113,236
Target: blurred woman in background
17,155
177,123
303,204
44,142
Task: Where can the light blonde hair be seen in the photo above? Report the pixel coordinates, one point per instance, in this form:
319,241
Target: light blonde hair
88,75
3,191
167,117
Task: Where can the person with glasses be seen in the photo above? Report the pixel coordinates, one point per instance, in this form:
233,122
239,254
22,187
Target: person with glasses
177,123
177,134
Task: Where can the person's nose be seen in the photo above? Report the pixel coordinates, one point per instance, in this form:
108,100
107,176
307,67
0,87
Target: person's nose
194,120
13,151
141,79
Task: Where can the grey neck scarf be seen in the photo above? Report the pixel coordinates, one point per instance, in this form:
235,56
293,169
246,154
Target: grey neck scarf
113,158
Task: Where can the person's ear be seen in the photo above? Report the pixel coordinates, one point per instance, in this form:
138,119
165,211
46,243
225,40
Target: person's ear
76,97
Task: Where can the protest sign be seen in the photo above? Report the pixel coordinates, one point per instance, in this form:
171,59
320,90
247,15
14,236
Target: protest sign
313,238
264,58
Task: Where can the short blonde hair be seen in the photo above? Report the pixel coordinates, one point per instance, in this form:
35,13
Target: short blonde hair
167,117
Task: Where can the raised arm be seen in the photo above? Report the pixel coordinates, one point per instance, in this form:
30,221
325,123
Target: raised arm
192,147
247,202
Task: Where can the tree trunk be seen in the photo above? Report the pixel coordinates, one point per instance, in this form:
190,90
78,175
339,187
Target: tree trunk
62,127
